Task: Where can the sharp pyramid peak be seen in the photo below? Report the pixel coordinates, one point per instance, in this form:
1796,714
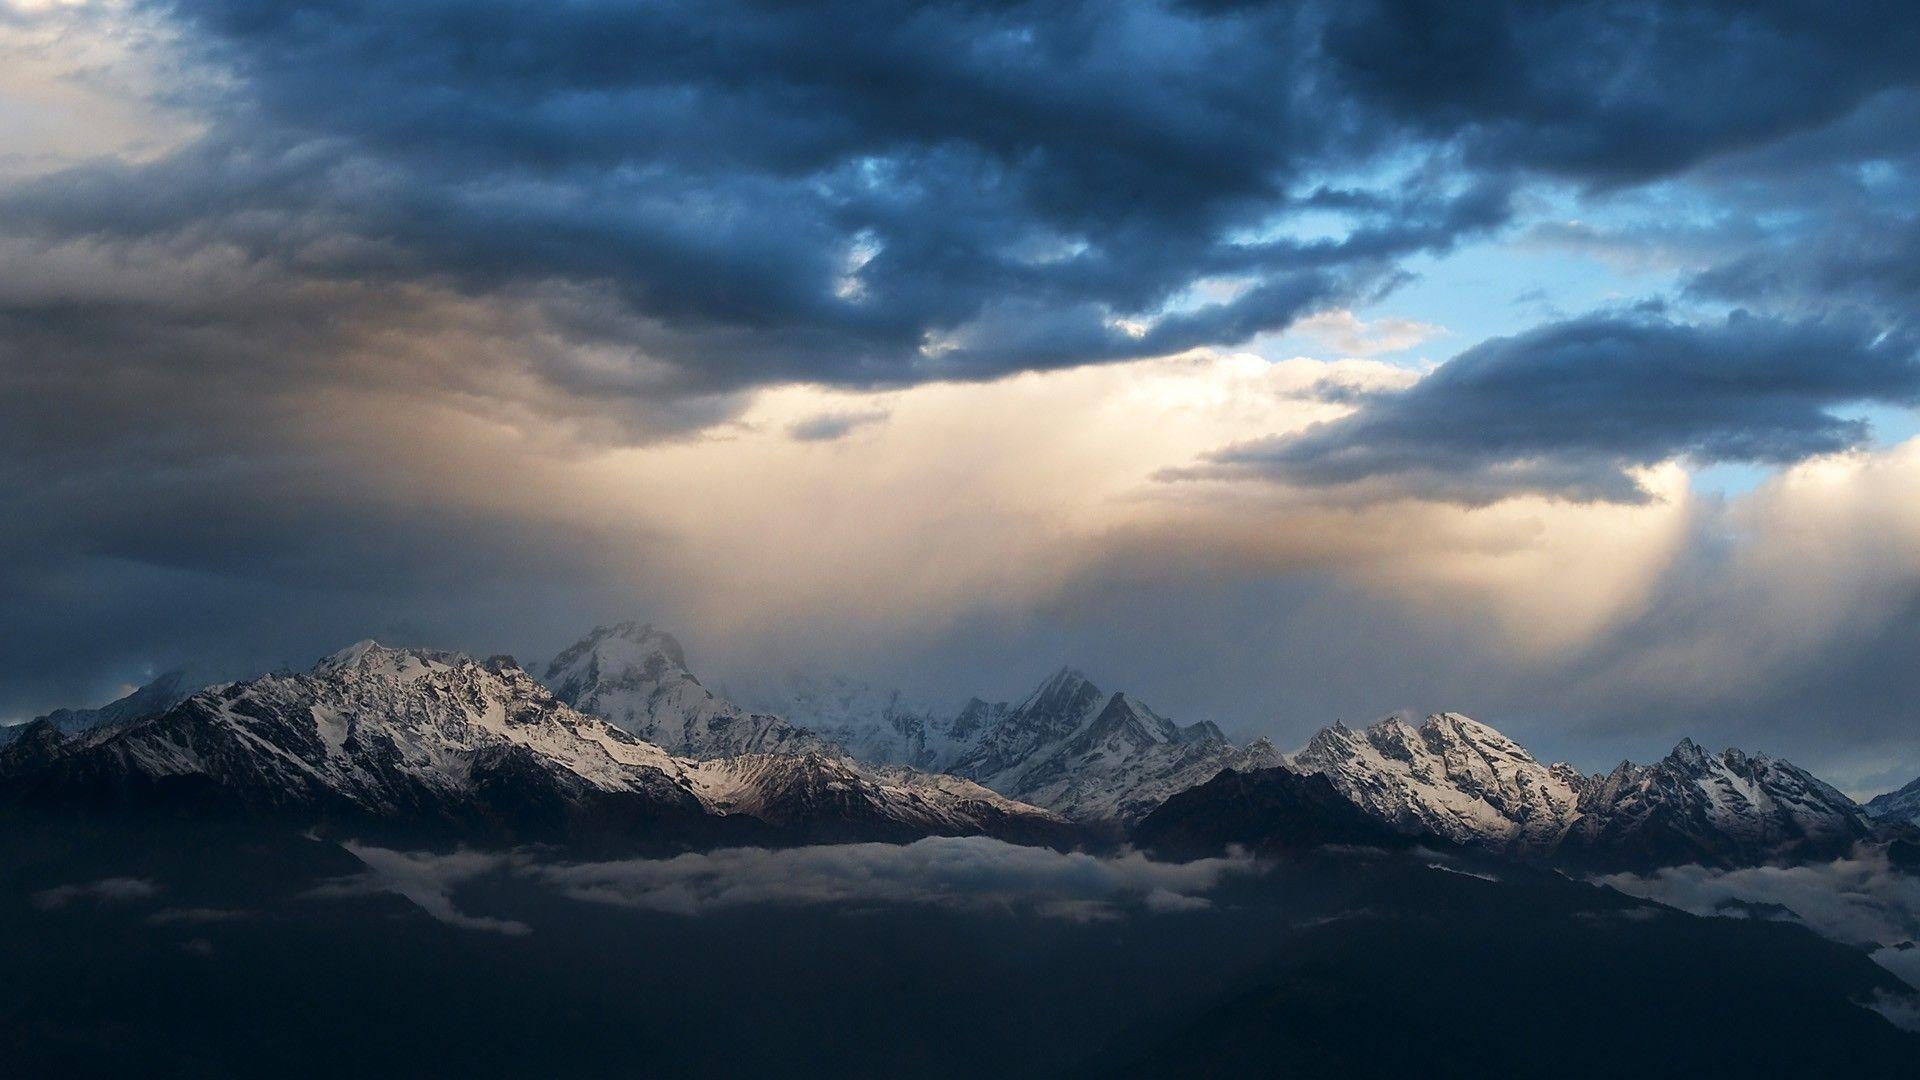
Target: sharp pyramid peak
1063,685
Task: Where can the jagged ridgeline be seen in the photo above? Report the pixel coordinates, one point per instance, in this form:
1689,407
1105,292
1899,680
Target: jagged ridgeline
619,740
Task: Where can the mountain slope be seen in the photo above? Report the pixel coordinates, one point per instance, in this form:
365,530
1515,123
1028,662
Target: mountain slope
1728,809
1466,782
1266,810
1897,807
1451,776
636,678
1094,757
1088,755
419,740
880,727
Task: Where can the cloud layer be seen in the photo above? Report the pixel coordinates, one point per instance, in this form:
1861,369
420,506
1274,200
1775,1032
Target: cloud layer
971,873
1574,409
1862,900
958,344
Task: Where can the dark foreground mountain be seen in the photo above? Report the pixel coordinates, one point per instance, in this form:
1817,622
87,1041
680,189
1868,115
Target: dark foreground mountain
1270,811
1461,780
223,950
418,743
1523,973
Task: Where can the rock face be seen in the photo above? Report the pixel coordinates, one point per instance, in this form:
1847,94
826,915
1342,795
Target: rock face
1450,776
1464,781
1071,747
374,737
1271,811
1897,807
1725,809
1097,757
636,678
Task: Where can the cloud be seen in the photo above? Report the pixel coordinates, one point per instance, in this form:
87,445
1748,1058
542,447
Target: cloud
469,323
199,916
427,880
973,873
765,195
970,873
829,426
1610,93
1350,335
107,891
1861,900
1573,409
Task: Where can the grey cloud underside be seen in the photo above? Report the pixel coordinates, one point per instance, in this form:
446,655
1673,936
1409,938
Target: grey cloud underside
1569,408
660,206
831,192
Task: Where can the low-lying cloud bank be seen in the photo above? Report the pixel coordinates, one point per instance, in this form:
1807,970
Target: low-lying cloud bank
964,873
1863,900
113,890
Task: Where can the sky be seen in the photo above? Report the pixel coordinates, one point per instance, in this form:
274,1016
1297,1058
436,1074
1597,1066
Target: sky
1279,363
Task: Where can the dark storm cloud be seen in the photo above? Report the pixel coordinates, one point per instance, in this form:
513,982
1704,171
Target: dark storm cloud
1570,408
847,193
1608,93
222,369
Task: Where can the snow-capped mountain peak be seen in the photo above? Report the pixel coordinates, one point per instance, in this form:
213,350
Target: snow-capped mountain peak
1465,781
1452,776
370,658
636,678
381,737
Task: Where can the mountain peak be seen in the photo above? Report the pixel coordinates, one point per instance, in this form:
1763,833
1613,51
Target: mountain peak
646,638
625,650
636,677
369,657
1065,693
1689,755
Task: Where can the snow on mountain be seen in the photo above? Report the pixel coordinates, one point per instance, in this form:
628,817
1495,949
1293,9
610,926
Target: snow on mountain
1730,808
1897,807
636,678
1069,746
882,727
1094,757
379,735
1450,776
1466,782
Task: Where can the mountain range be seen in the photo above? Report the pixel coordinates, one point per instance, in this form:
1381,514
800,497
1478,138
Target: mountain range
1465,782
374,738
619,739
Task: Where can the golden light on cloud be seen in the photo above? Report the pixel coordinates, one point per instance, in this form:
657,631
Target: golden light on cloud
923,504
